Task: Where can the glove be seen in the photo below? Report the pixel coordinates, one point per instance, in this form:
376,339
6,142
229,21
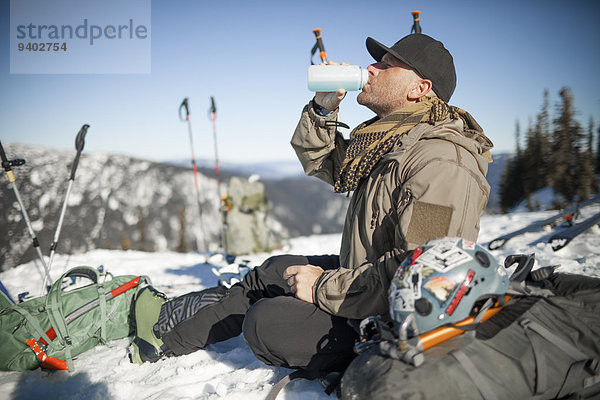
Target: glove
330,100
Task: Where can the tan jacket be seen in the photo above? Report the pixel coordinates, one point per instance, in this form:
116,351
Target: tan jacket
431,184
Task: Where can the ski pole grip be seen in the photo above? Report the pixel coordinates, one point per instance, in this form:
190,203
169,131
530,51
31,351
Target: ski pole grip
320,45
213,107
79,143
416,28
3,156
8,164
80,139
185,104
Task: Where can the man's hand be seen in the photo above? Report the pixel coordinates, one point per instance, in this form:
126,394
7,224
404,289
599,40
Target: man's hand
301,279
330,100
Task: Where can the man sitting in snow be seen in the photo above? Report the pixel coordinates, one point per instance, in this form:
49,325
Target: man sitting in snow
416,172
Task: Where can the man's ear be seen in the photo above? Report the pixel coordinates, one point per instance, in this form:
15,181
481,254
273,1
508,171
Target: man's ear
421,88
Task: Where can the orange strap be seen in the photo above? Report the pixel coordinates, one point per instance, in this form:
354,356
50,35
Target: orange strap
47,362
434,337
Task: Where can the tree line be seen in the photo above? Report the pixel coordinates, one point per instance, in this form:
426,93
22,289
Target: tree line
555,152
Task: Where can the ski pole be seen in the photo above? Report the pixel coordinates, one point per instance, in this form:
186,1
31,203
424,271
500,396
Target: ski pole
318,46
5,291
213,115
185,104
7,165
79,143
416,28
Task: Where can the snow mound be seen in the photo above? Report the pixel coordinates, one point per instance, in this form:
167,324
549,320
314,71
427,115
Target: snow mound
229,370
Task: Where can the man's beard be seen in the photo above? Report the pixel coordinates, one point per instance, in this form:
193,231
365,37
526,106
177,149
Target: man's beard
369,100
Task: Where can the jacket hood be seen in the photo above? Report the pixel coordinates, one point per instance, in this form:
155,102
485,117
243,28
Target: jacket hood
451,130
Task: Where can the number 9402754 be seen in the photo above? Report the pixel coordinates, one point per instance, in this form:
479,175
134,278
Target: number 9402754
43,46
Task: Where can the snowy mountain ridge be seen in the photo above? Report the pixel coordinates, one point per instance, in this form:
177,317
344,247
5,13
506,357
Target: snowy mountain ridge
120,202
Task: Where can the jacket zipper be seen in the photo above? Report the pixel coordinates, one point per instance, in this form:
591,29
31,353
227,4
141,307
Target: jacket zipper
404,202
347,294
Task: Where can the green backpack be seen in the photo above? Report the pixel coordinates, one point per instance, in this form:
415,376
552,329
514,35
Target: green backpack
49,331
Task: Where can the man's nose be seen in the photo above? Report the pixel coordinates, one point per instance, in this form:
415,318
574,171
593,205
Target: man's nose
373,68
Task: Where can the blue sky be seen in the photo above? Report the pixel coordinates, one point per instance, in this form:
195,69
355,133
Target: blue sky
252,57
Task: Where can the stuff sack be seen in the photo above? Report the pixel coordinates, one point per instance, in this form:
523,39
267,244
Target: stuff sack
245,209
50,330
536,347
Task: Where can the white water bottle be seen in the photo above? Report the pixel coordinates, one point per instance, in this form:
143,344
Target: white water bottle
329,78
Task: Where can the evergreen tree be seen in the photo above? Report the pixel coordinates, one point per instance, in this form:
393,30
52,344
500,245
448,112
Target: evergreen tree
530,163
125,242
544,137
182,246
141,225
590,146
536,155
559,155
518,136
567,165
511,184
590,163
598,152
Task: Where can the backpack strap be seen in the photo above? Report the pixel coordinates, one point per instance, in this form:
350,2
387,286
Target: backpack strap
583,365
45,360
284,381
82,272
102,299
541,368
478,379
33,323
56,314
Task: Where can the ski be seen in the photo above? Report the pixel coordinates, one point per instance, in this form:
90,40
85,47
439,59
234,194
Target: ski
560,240
501,240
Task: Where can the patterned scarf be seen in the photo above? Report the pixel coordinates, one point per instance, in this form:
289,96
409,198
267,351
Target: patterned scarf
372,139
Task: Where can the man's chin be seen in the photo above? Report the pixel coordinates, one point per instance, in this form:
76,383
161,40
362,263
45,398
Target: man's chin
362,98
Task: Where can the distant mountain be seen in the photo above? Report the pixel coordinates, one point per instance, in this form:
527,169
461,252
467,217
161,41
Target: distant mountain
120,202
306,205
290,173
266,170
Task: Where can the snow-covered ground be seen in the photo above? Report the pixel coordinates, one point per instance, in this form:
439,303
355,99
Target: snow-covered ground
227,370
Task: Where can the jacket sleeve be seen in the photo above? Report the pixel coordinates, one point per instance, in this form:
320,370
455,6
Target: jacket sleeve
320,148
438,197
360,292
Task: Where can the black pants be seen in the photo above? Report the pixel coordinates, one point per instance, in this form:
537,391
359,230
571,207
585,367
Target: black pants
280,329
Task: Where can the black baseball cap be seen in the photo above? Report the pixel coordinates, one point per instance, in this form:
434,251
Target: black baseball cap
427,56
